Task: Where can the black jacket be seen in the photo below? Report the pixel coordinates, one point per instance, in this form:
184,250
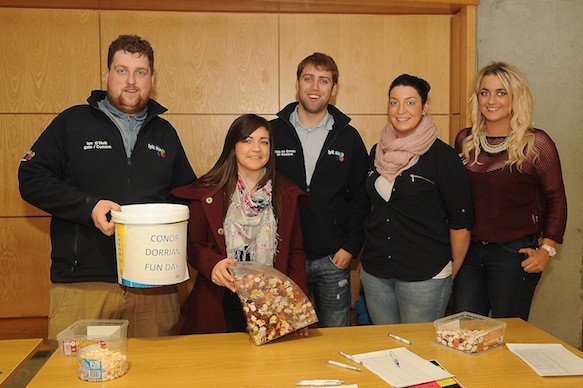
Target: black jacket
407,237
339,204
80,159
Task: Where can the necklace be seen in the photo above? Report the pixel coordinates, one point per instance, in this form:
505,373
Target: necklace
492,150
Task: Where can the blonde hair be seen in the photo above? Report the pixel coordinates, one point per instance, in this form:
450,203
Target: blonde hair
521,135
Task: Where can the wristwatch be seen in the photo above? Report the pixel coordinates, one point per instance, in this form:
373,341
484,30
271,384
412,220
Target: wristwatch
551,250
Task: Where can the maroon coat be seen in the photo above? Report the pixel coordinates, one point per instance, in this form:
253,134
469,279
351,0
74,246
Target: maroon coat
206,247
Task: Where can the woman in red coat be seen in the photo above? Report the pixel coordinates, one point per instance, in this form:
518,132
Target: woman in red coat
241,210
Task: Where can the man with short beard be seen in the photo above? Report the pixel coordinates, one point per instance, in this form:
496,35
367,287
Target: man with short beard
91,159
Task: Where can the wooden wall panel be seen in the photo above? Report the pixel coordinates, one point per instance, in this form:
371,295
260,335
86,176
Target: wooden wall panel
210,68
456,126
467,59
206,62
50,59
25,258
444,7
463,65
202,137
369,127
374,6
444,126
455,67
370,51
17,133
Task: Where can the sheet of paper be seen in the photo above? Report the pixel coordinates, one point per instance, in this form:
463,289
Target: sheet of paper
412,369
101,331
548,359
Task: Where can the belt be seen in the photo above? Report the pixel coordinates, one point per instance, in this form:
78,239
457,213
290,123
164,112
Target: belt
476,241
482,242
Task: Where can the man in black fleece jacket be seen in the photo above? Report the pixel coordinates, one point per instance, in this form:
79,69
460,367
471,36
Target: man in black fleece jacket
89,160
317,148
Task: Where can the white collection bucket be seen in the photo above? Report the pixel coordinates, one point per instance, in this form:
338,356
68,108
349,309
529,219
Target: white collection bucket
150,241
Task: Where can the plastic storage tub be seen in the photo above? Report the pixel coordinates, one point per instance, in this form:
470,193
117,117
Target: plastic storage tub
104,332
469,332
99,363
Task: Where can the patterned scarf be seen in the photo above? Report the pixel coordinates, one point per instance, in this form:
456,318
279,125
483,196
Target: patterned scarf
250,225
394,155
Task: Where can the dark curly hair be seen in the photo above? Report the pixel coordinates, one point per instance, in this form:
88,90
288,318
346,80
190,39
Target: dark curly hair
131,44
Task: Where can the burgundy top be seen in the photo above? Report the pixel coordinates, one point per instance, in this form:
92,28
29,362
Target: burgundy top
510,204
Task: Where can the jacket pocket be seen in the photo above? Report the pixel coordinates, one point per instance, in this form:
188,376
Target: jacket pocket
419,177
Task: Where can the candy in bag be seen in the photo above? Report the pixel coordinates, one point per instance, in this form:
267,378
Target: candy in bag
272,303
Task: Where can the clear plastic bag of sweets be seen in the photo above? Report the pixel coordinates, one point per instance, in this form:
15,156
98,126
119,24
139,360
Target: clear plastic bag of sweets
273,304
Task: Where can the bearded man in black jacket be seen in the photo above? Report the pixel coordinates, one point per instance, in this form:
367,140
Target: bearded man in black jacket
114,150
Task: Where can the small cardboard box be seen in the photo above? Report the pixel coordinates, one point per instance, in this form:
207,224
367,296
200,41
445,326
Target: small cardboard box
86,332
469,332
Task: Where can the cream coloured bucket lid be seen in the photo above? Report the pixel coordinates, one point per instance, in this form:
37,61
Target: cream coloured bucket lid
151,213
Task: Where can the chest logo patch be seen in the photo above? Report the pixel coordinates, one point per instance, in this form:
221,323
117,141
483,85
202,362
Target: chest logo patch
284,152
29,155
338,154
97,145
161,152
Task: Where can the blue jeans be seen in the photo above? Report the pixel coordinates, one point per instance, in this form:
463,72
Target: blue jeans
398,301
491,278
330,286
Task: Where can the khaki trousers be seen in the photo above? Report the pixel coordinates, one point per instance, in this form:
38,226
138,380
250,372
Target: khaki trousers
151,312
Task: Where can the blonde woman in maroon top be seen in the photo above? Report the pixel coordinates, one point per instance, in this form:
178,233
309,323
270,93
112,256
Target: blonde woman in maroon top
518,194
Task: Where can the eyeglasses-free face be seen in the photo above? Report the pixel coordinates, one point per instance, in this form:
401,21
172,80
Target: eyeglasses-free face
406,109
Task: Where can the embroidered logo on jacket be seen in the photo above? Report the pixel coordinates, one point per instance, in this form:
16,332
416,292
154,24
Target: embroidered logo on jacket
29,155
338,154
161,152
97,145
284,152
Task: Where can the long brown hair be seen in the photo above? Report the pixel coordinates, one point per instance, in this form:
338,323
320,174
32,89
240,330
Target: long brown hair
224,173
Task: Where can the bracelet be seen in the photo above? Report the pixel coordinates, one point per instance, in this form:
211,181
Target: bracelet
550,250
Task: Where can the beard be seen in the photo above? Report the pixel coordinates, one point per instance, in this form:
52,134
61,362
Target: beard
128,105
312,107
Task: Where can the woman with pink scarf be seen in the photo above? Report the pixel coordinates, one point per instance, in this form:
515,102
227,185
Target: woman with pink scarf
418,231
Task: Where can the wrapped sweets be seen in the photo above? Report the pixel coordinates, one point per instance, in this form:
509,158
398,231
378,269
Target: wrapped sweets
273,304
102,364
467,340
468,332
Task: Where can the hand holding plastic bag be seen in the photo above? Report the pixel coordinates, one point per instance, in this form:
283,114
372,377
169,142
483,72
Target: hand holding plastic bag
273,304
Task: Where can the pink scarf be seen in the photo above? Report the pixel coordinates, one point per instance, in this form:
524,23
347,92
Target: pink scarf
394,155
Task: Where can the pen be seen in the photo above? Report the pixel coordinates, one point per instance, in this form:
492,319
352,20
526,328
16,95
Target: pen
400,339
341,365
395,360
319,383
348,356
